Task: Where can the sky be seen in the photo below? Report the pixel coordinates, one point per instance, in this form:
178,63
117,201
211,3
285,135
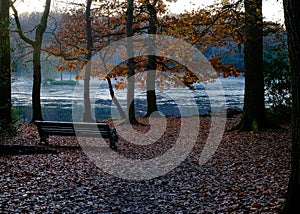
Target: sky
272,9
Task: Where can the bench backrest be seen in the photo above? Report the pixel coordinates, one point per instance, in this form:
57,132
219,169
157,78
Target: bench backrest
68,128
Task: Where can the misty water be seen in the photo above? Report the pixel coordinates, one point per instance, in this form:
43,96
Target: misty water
62,102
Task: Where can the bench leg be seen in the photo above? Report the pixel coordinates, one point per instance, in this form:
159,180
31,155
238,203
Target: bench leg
113,139
44,139
113,145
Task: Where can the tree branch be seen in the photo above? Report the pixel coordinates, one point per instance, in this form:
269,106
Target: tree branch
19,28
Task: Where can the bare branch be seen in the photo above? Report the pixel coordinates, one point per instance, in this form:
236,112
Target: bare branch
19,28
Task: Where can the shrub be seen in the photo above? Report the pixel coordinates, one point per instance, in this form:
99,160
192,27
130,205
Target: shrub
12,129
278,80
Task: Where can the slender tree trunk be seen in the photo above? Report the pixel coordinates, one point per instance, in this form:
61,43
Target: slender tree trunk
87,115
292,17
110,86
5,73
112,93
151,74
37,79
130,64
115,100
254,117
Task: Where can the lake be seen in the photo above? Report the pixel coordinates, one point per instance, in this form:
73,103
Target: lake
58,101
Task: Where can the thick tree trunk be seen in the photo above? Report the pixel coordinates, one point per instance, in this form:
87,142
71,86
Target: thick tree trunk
130,92
292,17
87,115
151,74
130,64
151,94
5,74
254,117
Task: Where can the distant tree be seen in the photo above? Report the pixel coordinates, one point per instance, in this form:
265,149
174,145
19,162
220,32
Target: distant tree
292,17
37,48
5,71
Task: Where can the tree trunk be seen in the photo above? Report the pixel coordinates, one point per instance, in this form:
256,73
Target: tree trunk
254,117
37,76
110,86
87,115
130,64
151,74
292,17
112,93
5,73
116,102
151,94
36,88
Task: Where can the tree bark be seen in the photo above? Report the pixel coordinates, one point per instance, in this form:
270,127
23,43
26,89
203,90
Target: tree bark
115,100
37,80
254,117
37,75
151,73
87,115
112,93
5,71
130,64
292,17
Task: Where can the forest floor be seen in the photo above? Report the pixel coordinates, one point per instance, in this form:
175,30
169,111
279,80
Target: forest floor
248,173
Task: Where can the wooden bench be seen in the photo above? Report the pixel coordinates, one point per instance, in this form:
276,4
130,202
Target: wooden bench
79,129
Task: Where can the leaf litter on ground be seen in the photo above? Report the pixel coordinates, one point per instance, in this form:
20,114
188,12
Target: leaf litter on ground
247,174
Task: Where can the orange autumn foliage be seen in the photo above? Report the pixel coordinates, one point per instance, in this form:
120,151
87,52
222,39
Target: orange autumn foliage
201,28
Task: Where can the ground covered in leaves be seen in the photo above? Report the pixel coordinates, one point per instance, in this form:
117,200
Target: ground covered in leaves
247,174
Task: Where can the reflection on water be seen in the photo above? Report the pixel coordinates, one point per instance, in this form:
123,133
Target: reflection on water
57,100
